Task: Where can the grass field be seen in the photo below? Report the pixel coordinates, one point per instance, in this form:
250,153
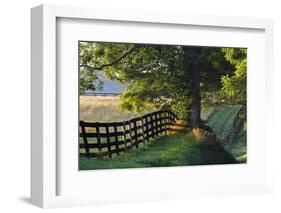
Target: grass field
102,109
221,121
239,148
177,150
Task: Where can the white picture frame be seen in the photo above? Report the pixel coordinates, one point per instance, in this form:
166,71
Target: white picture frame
44,150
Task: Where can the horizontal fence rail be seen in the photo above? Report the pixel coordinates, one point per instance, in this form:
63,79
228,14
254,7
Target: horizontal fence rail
105,139
102,94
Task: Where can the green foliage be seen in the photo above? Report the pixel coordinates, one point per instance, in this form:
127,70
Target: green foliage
234,55
178,150
88,76
234,86
159,76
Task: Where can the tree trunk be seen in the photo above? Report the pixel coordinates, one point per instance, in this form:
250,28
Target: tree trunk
196,99
193,60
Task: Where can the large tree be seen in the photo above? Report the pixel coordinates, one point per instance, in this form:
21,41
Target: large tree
158,76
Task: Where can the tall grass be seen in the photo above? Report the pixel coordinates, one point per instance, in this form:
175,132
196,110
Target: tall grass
102,109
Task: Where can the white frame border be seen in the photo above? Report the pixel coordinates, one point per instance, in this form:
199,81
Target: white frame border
43,89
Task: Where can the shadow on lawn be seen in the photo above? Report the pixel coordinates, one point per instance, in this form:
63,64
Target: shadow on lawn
176,150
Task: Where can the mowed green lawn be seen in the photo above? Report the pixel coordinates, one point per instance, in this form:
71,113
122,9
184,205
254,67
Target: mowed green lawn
239,148
177,150
221,121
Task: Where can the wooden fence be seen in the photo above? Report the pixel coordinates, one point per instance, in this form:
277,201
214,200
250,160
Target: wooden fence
105,139
102,94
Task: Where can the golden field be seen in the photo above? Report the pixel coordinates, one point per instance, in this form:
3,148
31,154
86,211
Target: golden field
102,109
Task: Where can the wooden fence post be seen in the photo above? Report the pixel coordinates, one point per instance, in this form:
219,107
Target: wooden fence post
161,122
166,126
99,141
152,126
136,134
130,131
124,135
156,123
142,130
169,118
85,139
108,142
116,139
146,129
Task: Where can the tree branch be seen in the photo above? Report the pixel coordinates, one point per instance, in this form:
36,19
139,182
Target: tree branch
87,66
129,51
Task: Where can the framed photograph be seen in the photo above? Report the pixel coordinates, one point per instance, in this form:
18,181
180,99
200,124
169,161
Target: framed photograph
130,106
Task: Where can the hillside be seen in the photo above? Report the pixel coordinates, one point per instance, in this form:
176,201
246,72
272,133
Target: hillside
221,122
